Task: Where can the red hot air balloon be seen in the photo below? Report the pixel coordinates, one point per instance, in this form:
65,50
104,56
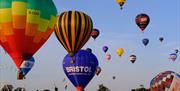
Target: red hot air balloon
142,20
95,33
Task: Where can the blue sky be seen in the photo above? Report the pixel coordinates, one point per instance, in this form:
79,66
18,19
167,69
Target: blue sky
117,29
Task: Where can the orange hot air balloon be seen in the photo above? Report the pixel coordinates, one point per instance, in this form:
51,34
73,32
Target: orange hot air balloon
25,25
73,30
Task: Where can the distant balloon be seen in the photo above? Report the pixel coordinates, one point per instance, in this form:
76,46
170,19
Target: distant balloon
121,3
89,50
105,49
165,81
25,67
119,51
108,56
145,41
98,70
82,71
95,33
176,50
132,58
142,20
173,56
114,77
73,30
161,39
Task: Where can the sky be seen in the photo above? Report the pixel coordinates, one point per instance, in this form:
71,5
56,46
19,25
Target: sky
117,30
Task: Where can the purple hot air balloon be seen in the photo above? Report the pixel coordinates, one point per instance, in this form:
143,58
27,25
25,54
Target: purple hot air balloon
105,49
83,70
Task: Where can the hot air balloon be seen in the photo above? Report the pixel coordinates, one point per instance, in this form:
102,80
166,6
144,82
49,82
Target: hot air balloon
98,70
121,3
161,39
119,51
142,20
108,56
114,77
105,48
145,41
73,30
132,58
176,50
25,67
89,50
82,71
165,81
95,33
173,56
25,25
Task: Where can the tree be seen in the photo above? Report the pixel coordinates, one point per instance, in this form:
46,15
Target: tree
7,87
103,88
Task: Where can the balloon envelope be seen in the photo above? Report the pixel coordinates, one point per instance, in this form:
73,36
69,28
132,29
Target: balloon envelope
161,39
98,70
83,70
119,51
73,30
25,25
173,56
145,41
132,58
121,3
105,49
89,50
142,20
164,81
95,33
108,56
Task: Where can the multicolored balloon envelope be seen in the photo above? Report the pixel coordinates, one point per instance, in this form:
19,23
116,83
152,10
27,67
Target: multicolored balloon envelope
142,20
83,70
25,67
25,25
132,58
166,81
95,33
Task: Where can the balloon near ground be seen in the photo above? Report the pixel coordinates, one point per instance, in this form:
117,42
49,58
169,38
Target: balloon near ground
166,81
25,25
142,21
73,29
83,70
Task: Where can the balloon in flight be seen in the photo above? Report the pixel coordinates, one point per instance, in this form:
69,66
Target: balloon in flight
25,25
73,29
82,71
142,21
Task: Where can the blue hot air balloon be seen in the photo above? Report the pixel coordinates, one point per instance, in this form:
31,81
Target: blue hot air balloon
145,41
25,67
82,70
105,49
89,50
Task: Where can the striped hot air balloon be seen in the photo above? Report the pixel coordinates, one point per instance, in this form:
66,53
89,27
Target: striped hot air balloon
73,30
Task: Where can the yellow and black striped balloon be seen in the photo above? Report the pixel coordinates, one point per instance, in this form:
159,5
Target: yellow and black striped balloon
73,30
